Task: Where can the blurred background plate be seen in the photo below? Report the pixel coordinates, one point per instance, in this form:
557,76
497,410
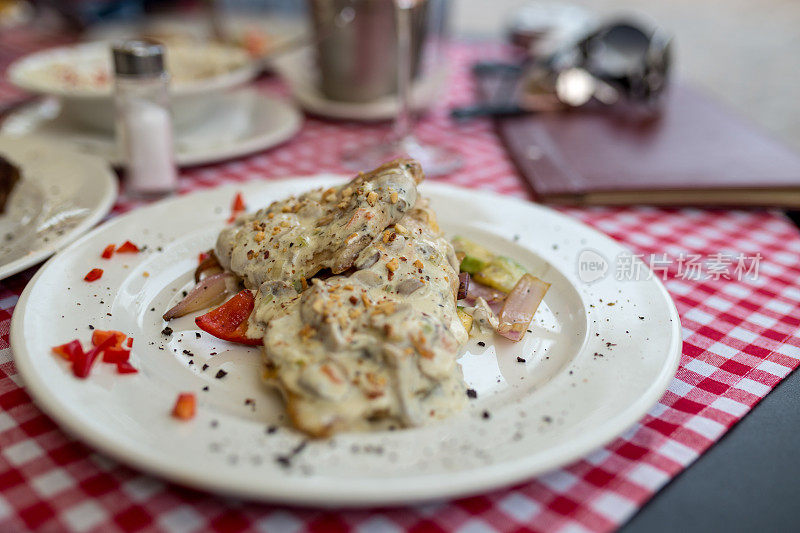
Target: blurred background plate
300,74
60,196
239,122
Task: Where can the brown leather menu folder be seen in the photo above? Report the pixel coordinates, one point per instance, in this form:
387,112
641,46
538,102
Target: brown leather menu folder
696,153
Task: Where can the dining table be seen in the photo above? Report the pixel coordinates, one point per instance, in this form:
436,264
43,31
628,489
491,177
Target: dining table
741,338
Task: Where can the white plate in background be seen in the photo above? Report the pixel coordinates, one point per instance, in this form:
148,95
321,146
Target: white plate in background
238,123
61,195
298,70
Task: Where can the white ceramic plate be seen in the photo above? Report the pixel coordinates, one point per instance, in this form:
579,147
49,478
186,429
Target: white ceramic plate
238,123
559,404
61,195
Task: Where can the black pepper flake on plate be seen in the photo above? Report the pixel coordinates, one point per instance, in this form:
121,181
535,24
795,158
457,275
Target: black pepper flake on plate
472,393
187,352
166,331
205,388
641,318
197,335
91,326
205,367
185,294
271,429
486,415
286,460
520,360
481,344
221,374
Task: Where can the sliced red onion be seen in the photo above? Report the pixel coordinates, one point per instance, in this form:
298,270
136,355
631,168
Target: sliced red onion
479,290
210,266
463,285
210,291
520,306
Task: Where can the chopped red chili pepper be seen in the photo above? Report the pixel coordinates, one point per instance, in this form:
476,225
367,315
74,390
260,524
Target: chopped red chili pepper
229,321
126,368
116,355
185,406
94,274
202,256
128,247
82,364
99,336
130,342
69,351
108,251
237,207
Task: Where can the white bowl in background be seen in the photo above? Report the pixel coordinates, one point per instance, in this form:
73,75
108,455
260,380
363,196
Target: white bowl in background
81,76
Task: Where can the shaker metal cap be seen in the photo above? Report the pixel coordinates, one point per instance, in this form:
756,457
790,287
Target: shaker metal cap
139,57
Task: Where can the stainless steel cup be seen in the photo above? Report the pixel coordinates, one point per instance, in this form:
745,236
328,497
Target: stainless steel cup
357,47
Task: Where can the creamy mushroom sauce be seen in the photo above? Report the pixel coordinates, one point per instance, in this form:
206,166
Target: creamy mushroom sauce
377,346
293,239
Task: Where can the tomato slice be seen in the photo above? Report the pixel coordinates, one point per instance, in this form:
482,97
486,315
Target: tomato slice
185,406
127,247
229,321
94,274
99,336
108,251
69,351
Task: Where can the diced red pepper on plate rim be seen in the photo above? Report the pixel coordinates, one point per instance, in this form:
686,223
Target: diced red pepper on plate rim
94,274
106,343
128,248
69,351
126,368
238,207
108,251
116,355
185,406
99,335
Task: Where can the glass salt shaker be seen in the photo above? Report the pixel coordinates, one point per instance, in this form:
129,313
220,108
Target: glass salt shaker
143,120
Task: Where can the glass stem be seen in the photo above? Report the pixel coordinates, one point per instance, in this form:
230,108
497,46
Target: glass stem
402,123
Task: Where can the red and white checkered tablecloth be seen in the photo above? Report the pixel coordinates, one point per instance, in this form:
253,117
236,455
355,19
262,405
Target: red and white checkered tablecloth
740,339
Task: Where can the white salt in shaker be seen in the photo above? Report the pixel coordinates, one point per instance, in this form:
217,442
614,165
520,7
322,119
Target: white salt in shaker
144,123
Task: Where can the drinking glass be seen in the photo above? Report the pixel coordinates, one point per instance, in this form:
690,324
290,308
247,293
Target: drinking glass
435,160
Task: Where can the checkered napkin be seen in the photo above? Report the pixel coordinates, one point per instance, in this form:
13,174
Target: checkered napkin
740,339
